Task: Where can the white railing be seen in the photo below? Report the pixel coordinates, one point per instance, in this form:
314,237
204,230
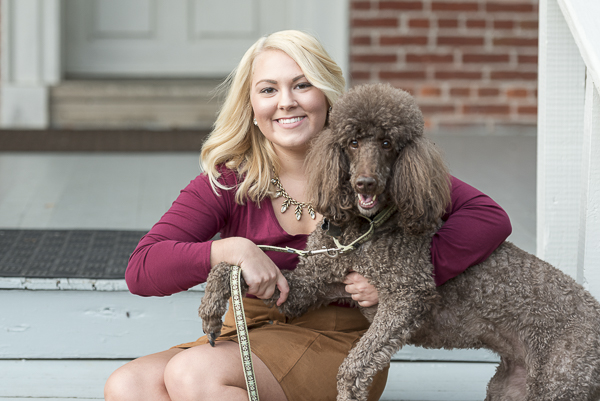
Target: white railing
568,187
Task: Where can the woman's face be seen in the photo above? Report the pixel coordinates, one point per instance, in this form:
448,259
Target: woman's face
288,109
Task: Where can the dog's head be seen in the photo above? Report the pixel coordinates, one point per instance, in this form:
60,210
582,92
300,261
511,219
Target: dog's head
374,154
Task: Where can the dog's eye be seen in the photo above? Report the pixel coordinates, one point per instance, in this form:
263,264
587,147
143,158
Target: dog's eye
386,144
354,144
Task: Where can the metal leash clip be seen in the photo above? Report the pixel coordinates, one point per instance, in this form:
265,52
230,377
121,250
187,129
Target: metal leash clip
331,252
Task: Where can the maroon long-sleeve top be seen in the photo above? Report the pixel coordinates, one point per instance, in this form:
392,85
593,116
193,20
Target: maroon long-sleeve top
175,255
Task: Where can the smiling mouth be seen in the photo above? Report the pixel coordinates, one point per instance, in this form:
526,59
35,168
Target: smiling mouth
290,120
367,201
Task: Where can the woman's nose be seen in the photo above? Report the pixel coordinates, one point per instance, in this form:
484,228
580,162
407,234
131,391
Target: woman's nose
287,100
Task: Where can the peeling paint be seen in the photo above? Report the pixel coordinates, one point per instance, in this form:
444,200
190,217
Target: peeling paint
18,328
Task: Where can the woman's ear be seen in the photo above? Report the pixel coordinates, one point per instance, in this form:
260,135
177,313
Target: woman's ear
420,186
328,178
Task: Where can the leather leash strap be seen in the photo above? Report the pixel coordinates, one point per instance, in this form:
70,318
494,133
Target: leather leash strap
242,329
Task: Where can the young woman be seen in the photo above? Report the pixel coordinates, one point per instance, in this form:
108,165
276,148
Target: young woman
278,100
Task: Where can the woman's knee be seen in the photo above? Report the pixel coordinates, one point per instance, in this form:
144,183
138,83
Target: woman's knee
140,379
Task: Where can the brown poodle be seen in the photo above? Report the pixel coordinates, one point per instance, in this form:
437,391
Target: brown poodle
544,326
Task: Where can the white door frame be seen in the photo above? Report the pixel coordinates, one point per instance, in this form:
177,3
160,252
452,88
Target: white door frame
31,52
30,61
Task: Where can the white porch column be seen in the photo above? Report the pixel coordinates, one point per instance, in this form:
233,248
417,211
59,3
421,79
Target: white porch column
31,61
588,266
560,140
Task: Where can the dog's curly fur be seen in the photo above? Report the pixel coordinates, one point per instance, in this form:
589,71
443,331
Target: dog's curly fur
544,326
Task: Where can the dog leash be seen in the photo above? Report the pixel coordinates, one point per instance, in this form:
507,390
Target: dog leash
339,249
236,291
242,329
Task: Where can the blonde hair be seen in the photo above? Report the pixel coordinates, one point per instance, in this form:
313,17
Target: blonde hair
235,141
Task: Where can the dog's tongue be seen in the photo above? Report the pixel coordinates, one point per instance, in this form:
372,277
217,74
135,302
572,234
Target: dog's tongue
366,201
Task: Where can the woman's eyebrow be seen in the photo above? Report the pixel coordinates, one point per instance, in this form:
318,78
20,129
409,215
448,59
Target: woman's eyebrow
272,81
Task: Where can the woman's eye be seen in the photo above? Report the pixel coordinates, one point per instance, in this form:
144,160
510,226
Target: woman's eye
354,144
304,85
267,90
386,144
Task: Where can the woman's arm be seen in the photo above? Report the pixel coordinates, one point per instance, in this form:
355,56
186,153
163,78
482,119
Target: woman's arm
474,227
175,255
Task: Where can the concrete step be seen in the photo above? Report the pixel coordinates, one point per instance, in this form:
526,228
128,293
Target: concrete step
134,104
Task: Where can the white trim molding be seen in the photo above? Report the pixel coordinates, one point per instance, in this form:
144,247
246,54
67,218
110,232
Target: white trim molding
568,188
31,61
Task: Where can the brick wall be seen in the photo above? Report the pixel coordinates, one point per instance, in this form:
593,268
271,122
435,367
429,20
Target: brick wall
471,64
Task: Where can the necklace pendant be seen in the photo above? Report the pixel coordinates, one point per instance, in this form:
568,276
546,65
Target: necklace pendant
311,212
298,212
286,204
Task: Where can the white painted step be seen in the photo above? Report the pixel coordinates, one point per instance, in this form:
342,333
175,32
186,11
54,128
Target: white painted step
84,380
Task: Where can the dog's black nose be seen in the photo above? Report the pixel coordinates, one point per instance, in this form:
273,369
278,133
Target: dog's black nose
365,183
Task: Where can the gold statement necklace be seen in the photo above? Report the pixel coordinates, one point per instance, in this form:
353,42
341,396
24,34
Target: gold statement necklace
289,201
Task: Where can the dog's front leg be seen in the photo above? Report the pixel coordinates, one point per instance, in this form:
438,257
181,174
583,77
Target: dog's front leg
393,324
306,292
214,303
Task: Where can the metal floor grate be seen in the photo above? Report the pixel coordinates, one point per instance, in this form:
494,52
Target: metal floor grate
99,254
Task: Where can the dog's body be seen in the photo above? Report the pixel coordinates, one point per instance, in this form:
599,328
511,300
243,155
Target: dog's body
544,326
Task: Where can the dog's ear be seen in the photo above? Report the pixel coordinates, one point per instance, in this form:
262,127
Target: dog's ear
328,178
420,186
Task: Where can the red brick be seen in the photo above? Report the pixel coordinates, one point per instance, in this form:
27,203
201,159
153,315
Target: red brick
454,6
361,40
360,75
374,22
419,23
486,58
361,5
504,24
507,7
403,40
437,109
448,23
532,110
513,76
430,91
533,25
517,93
430,58
460,92
476,23
374,58
451,75
488,92
401,5
402,75
516,41
486,109
460,41
524,59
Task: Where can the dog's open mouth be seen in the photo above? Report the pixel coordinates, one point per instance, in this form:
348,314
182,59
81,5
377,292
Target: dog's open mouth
367,201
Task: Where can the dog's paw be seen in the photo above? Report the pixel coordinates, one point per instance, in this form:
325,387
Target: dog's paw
212,328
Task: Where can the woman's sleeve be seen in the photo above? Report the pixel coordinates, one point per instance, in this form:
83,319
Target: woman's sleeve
474,227
175,254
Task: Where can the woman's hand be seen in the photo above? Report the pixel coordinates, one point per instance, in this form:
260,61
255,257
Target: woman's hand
361,290
258,270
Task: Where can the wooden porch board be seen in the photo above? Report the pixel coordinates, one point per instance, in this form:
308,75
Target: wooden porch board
59,380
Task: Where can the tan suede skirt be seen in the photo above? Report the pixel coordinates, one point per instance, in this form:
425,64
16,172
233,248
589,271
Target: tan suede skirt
303,353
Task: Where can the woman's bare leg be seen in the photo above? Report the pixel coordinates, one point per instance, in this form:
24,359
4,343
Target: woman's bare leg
198,373
141,379
207,373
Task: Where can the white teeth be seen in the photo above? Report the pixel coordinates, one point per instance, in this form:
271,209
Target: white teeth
290,120
368,203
